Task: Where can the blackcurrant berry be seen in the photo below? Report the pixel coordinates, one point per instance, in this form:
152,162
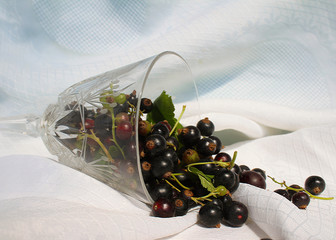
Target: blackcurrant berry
253,178
226,178
163,208
155,144
181,206
206,147
292,192
210,215
160,128
218,143
223,157
162,167
206,127
301,199
161,190
146,105
189,135
315,185
236,214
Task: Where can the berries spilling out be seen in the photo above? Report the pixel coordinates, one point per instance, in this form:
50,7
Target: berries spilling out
181,166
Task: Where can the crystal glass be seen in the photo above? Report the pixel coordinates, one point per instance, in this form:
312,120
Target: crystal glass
81,129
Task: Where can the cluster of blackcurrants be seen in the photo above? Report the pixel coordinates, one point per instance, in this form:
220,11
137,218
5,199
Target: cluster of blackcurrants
184,170
300,197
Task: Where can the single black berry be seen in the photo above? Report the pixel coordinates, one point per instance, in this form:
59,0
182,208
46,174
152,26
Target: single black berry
210,215
225,177
218,143
189,135
162,167
301,199
155,144
292,192
161,190
206,127
206,147
315,185
161,128
181,206
146,105
236,214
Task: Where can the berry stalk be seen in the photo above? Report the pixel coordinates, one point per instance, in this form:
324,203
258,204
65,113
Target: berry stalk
178,120
97,140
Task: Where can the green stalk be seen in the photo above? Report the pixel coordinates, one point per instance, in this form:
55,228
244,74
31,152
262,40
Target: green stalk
178,120
232,163
222,164
97,140
172,186
113,133
175,179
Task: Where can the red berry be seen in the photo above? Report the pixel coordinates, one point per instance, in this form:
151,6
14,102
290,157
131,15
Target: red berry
163,208
89,123
124,130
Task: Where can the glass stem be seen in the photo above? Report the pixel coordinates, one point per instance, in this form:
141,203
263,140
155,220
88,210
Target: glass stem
26,124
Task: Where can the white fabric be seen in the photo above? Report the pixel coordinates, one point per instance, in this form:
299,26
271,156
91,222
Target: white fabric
265,72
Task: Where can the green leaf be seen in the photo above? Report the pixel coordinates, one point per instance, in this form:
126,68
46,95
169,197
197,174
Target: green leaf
163,109
206,184
198,172
204,178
